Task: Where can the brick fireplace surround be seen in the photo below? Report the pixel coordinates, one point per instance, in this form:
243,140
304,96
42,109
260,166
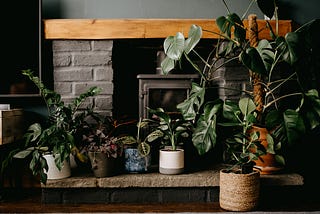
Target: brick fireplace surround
82,50
82,57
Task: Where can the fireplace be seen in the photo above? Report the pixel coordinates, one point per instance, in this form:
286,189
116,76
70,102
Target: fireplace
120,66
137,80
165,91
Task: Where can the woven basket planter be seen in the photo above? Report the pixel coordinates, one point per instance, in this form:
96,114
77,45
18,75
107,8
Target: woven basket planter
239,192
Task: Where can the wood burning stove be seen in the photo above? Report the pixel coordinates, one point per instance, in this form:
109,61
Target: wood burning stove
165,91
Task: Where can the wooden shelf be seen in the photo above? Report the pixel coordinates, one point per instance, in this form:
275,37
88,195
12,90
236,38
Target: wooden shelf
140,28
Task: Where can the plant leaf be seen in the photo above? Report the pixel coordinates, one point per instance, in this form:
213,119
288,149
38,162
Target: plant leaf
174,46
190,106
194,36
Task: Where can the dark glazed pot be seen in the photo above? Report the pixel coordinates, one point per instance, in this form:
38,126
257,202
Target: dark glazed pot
102,165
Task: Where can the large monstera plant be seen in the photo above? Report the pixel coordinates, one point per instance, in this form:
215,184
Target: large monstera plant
290,61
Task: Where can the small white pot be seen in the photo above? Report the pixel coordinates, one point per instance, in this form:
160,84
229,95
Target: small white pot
53,172
171,162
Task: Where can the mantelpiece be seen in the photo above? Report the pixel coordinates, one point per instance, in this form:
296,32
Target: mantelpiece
139,28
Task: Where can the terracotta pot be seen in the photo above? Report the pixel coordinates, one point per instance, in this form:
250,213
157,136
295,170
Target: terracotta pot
171,162
266,163
239,192
53,171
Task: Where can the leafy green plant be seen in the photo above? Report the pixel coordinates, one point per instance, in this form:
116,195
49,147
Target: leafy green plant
170,131
137,141
56,135
289,60
244,146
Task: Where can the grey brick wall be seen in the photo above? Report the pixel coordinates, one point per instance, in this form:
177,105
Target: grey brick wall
80,64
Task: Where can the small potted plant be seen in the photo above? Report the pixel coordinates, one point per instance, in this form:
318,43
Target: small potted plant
51,143
103,147
243,148
172,132
137,155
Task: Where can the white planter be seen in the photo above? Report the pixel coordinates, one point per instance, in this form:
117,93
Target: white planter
171,162
53,172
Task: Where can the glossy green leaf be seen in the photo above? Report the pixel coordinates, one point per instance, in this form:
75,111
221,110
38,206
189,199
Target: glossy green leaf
253,61
246,106
143,148
174,46
167,65
267,7
194,36
23,154
204,135
266,53
294,125
192,104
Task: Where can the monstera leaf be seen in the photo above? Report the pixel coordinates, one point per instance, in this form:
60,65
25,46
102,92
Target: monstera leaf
204,136
192,104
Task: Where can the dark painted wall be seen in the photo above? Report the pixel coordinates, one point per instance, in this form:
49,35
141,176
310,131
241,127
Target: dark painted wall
297,10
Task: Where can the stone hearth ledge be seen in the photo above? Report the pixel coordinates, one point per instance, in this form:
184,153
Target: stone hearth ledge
204,178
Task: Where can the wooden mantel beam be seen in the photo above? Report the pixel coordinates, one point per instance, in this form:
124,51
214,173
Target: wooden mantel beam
139,28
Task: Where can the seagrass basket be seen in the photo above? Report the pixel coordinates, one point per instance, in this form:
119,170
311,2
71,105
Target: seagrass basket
239,192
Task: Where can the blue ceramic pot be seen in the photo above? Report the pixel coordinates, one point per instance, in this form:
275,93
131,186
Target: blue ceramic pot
134,162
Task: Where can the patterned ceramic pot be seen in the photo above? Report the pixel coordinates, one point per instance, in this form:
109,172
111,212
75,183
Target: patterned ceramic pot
134,162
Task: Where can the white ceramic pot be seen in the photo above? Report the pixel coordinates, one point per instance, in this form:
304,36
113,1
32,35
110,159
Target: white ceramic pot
171,162
53,172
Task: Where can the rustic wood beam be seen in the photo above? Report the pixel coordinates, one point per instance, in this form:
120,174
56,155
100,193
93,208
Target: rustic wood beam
140,28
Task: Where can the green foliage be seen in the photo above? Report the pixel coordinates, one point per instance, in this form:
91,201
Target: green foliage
141,144
244,146
296,55
56,136
170,131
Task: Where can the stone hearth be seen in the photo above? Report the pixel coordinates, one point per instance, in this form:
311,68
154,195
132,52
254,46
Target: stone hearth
197,186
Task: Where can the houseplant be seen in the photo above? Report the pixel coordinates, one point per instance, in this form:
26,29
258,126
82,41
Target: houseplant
137,149
273,68
103,148
173,133
56,135
272,65
240,184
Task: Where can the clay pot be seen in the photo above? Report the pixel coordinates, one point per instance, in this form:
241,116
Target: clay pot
266,163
